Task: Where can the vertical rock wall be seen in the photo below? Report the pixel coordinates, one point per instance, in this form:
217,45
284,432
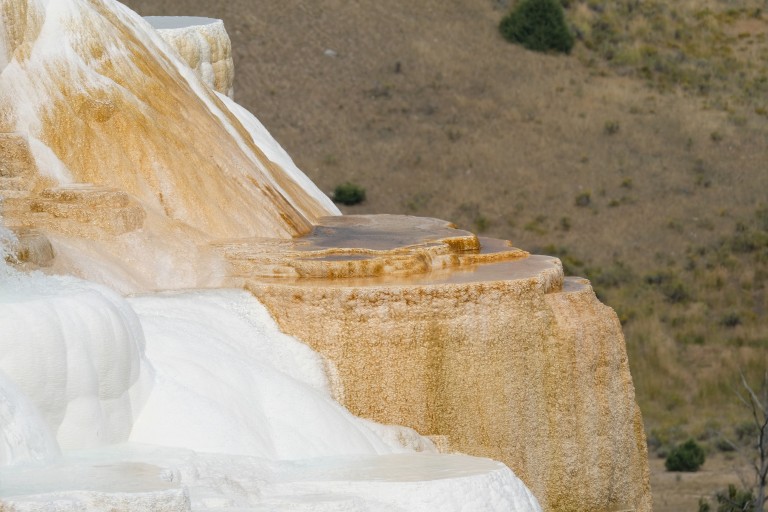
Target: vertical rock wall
523,370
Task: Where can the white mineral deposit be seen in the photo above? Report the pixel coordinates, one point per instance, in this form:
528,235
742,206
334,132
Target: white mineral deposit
188,323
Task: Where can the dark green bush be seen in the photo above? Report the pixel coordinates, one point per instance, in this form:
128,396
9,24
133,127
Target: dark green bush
538,25
611,127
731,320
688,456
349,194
583,199
611,276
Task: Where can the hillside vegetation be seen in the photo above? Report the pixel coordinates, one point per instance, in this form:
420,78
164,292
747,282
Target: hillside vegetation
639,159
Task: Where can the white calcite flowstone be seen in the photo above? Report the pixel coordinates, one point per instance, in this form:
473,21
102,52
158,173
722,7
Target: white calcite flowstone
132,477
25,437
74,351
223,367
105,379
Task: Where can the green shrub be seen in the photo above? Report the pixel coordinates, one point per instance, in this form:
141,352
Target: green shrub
349,194
583,199
688,456
731,320
732,500
672,287
538,25
611,127
611,276
482,223
725,446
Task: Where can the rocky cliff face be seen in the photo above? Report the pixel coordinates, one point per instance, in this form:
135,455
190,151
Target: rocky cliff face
121,165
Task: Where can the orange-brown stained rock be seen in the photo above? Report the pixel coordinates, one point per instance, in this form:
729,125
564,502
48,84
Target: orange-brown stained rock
20,28
120,114
32,250
522,370
17,161
94,102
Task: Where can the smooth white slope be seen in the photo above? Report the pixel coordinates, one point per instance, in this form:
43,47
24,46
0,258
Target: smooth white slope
223,367
25,437
275,152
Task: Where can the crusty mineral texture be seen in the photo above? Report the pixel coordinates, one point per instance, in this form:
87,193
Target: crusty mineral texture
204,45
506,359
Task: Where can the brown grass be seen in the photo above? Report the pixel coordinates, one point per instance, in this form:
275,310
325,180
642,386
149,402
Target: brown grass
677,492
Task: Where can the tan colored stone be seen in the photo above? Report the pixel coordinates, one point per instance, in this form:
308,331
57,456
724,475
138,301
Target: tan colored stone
17,162
520,369
84,211
32,249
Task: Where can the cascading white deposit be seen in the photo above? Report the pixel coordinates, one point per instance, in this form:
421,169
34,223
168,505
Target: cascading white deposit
216,375
224,367
84,369
75,351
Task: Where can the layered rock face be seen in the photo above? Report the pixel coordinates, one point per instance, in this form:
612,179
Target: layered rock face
123,165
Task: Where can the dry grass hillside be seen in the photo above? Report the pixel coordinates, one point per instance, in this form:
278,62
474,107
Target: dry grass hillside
639,159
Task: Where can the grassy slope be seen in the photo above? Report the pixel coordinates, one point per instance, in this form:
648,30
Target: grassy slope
434,114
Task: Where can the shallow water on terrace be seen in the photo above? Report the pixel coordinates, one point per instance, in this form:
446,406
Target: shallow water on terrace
392,468
174,22
534,266
377,232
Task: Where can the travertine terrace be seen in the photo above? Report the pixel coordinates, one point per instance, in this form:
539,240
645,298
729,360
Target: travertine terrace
469,340
131,166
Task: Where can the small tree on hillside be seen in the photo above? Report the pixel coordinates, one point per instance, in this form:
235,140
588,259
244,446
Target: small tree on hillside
755,497
538,25
758,406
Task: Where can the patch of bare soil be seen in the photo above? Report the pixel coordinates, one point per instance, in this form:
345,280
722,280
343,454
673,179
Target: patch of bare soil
681,492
